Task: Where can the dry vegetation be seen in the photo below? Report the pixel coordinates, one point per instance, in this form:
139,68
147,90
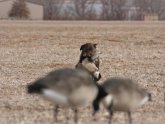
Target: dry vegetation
29,50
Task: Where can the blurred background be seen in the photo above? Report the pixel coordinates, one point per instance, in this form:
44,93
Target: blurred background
83,9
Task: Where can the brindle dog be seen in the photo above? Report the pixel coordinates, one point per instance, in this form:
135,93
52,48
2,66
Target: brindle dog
89,59
89,51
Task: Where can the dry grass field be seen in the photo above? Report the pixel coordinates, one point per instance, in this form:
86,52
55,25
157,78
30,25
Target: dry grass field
30,49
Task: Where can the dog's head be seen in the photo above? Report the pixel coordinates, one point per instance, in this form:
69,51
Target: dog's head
88,49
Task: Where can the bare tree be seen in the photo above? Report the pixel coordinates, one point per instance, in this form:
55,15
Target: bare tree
68,13
84,9
141,6
156,7
119,10
113,9
106,9
52,9
150,7
19,10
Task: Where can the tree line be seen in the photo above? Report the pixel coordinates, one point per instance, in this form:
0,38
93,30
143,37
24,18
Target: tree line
93,9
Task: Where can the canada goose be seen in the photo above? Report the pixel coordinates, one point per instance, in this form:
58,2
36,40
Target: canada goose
66,87
123,95
89,67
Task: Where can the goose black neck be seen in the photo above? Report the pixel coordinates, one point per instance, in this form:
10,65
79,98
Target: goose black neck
101,94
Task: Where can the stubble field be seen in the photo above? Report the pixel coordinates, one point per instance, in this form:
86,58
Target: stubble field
30,49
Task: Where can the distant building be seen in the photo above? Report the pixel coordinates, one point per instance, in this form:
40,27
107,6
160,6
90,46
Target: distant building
151,17
35,9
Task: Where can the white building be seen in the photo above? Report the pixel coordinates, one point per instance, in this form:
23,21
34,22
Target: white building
35,9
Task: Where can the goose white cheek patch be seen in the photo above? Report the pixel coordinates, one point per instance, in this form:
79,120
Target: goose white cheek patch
107,100
55,96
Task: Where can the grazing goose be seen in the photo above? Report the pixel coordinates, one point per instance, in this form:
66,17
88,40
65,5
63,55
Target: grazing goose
66,87
123,95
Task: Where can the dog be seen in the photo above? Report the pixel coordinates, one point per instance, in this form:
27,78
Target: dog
89,51
91,68
89,60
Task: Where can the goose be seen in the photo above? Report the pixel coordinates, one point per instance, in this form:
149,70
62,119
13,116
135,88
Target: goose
66,87
122,95
89,67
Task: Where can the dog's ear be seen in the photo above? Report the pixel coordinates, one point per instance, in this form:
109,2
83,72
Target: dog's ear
95,45
82,47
